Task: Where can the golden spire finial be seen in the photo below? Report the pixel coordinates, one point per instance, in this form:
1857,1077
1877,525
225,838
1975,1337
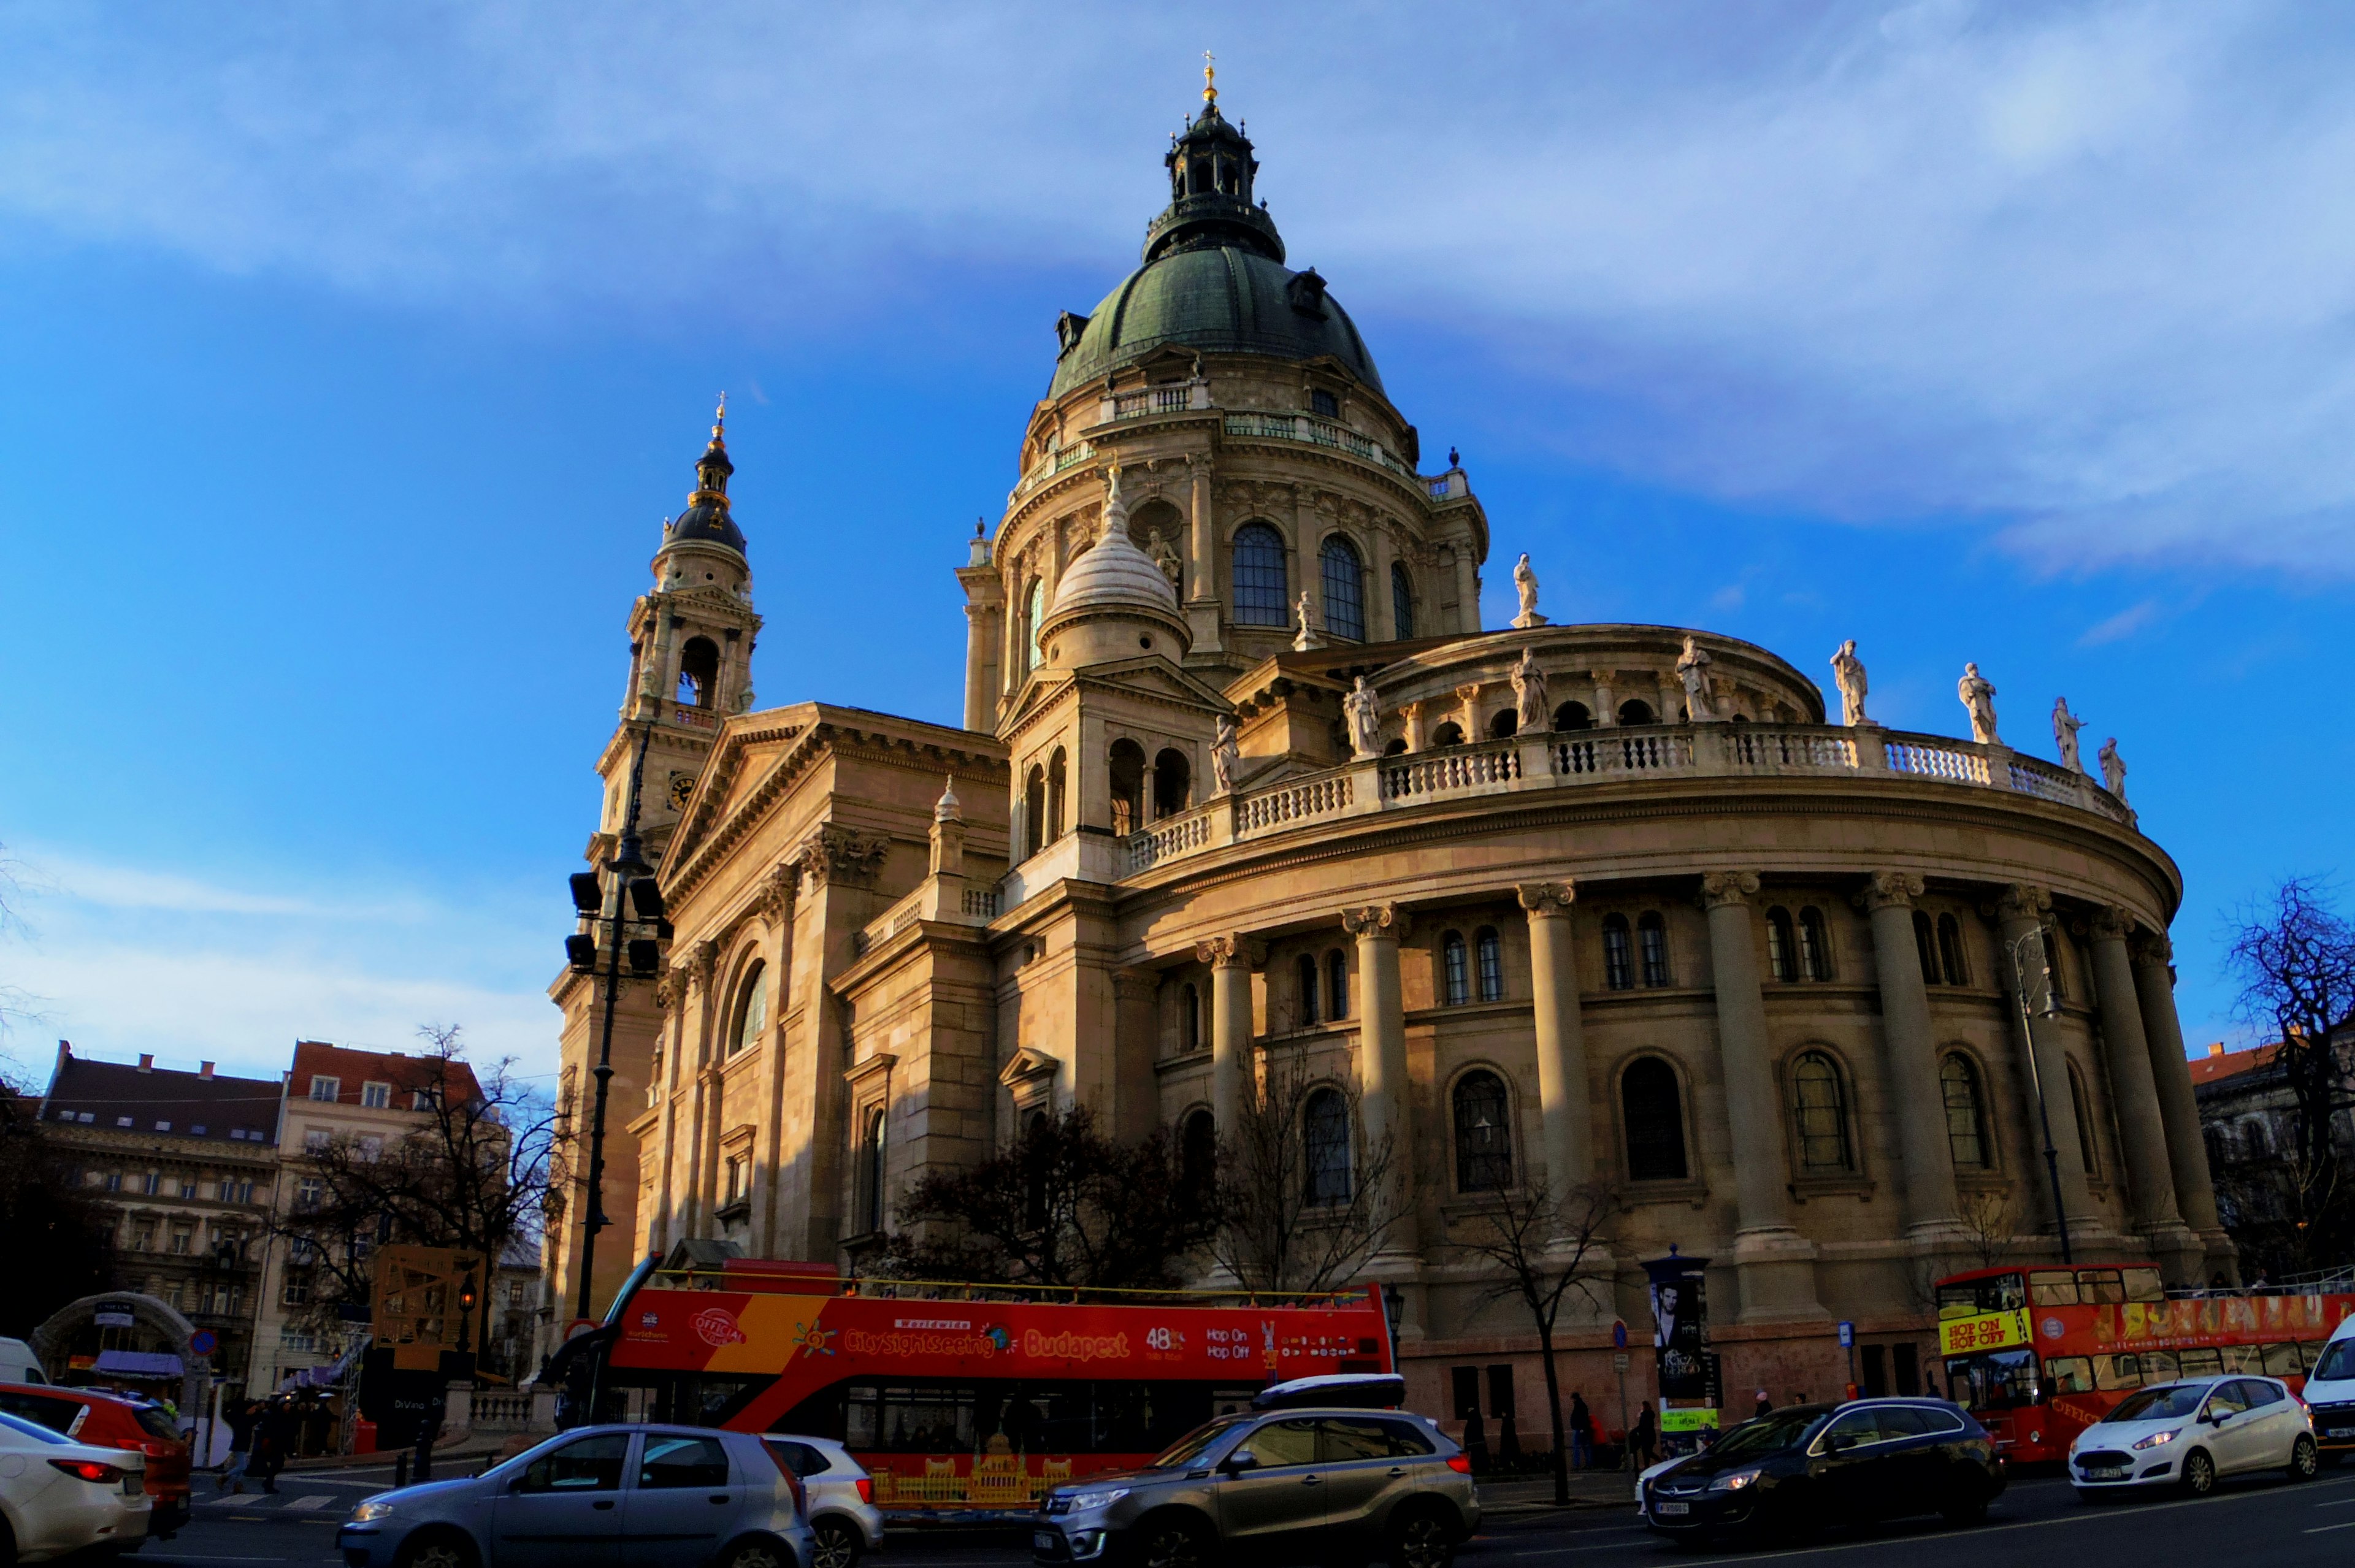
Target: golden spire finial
1210,79
719,419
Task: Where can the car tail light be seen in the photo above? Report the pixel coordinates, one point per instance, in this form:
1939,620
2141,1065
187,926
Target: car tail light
1461,1463
89,1470
866,1488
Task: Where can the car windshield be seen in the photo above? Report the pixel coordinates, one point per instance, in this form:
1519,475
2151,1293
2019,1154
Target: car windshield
2337,1363
2177,1402
31,1429
1769,1435
1191,1447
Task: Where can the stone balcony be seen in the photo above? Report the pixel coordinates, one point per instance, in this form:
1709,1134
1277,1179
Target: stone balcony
1570,759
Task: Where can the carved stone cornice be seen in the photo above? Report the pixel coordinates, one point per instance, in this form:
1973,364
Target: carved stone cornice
2023,901
1383,923
1237,952
1719,888
845,855
2111,924
1547,897
1888,889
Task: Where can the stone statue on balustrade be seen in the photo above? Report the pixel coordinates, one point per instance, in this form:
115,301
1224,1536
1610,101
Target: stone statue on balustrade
1978,696
2066,726
2114,769
1165,556
1693,668
1524,584
1848,674
1363,709
1308,637
1529,695
1226,755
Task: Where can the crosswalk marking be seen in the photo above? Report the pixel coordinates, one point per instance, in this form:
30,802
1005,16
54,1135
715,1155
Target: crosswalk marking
317,1500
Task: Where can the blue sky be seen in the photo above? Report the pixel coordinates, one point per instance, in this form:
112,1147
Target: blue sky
350,358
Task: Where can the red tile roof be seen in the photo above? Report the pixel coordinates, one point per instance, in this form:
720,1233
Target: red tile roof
351,1069
2229,1064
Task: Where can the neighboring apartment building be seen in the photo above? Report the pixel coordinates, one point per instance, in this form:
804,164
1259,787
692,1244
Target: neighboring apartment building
189,1163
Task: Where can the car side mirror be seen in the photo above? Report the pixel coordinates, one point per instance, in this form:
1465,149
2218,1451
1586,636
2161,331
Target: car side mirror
1242,1459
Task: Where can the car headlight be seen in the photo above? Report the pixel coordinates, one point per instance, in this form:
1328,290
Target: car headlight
2160,1439
1083,1501
370,1511
1733,1480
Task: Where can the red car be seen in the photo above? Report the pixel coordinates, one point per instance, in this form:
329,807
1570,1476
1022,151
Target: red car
102,1420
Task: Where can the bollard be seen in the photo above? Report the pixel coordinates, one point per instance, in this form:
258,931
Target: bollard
401,1471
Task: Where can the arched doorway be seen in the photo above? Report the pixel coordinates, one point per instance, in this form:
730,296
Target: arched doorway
53,1340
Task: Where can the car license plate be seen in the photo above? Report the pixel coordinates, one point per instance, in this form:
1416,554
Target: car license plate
2340,1432
1046,1541
2106,1473
1671,1509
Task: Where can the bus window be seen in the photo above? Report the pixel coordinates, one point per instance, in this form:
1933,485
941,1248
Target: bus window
2070,1374
2201,1363
2100,1288
2159,1367
2052,1288
2114,1372
1993,1379
2243,1358
2310,1351
2144,1284
2284,1361
1972,1298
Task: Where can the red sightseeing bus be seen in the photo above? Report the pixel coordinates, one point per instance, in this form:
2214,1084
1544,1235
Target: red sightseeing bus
962,1399
2040,1354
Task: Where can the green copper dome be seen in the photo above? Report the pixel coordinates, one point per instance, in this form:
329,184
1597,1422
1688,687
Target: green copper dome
1213,278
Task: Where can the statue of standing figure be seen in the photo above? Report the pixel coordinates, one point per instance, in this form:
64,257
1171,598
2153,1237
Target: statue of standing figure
1165,556
1524,584
2066,726
1529,694
1309,634
2114,769
1363,709
1693,668
1848,674
1978,696
1226,755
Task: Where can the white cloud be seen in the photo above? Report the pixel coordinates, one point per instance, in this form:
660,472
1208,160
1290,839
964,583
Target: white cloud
2083,272
2120,626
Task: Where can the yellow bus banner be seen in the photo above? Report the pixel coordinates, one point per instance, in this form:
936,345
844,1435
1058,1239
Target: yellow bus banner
1987,1331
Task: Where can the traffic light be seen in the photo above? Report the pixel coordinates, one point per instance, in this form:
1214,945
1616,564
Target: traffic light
646,957
580,951
645,893
587,896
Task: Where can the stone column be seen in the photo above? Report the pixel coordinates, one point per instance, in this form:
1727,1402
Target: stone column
1606,710
1381,1056
1202,603
1912,1048
1560,1036
1777,1263
2151,956
1232,960
980,700
1467,588
1381,623
2020,912
2140,1125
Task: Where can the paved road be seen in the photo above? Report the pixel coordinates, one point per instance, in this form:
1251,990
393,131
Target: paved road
2038,1523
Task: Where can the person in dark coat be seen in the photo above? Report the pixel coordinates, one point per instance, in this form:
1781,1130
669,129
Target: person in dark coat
1645,1439
1582,1433
273,1441
1476,1440
1765,1406
241,1417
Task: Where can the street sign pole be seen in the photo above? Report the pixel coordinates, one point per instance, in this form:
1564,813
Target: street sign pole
1848,1343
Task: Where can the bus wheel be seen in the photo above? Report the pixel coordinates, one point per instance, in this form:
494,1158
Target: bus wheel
2199,1474
2303,1460
1172,1544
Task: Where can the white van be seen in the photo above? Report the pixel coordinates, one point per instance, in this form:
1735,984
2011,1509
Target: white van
18,1364
2329,1393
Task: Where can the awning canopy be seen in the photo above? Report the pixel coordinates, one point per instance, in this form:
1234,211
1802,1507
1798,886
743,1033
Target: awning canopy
138,1364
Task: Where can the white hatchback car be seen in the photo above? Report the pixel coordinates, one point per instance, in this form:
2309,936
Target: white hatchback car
2186,1434
842,1512
58,1496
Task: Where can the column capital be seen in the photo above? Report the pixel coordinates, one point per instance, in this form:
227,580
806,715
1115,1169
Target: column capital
1547,897
1719,888
1235,951
1380,922
704,959
1888,889
781,890
2151,947
2112,923
1132,984
2023,901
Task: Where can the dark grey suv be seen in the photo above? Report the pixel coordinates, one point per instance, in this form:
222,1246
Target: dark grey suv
1280,1485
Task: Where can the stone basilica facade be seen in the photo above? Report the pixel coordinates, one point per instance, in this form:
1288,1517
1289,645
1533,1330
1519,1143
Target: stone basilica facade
1243,777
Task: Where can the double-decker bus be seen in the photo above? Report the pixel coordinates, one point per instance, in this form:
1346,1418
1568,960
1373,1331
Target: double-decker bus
2040,1354
960,1400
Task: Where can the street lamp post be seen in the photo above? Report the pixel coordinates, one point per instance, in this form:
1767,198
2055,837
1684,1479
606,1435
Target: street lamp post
611,909
2017,950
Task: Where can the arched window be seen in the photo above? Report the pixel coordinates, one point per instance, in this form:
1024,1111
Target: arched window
1337,985
2081,1104
1189,1028
1038,614
1483,1133
1492,965
1325,1146
2055,946
1926,947
698,672
870,1173
1198,1152
1815,945
1127,770
1958,1083
1448,735
1455,970
1173,783
1819,1112
1653,1110
751,1009
1402,600
1950,950
1397,748
1636,711
1306,983
1503,724
1652,938
1572,716
1618,960
1344,588
1261,598
1782,946
1058,776
1034,811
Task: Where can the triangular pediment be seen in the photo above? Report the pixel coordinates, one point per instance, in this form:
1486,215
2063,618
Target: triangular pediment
1156,677
1027,1064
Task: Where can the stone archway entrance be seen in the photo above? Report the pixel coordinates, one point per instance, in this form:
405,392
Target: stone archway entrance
52,1340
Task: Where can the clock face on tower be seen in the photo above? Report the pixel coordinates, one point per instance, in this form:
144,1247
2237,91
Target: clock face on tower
681,786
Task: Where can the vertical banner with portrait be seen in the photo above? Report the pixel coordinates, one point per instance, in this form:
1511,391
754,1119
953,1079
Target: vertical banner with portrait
1681,1327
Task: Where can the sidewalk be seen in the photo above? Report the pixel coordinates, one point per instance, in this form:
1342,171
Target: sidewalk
1534,1494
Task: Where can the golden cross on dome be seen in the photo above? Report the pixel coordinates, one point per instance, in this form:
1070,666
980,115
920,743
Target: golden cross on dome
1210,79
719,419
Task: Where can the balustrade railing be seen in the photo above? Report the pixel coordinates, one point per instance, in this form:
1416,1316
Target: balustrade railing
1166,840
1772,749
1291,802
1175,397
1321,433
1938,759
1451,771
1618,751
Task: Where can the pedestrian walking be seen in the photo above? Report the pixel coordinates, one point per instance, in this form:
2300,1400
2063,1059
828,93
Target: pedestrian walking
1765,1406
241,1417
1582,1432
1645,1439
273,1440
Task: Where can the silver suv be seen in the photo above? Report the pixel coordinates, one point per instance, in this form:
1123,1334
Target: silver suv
1279,1484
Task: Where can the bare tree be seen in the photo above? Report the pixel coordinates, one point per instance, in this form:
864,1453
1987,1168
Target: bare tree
46,1214
2296,960
1540,1252
1306,1198
472,1175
